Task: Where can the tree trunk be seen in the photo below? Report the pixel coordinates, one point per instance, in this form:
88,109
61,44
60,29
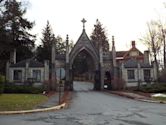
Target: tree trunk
155,57
164,54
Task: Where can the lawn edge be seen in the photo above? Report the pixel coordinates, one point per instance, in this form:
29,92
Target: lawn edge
34,110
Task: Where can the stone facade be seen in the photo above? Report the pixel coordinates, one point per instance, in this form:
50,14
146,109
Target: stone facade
28,71
117,63
137,74
133,66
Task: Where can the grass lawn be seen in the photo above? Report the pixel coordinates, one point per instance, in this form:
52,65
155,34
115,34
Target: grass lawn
13,102
160,98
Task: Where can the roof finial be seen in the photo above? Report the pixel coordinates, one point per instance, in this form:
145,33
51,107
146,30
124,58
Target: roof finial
83,21
113,41
67,39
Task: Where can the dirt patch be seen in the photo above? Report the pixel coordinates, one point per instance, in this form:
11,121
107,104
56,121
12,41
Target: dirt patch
144,94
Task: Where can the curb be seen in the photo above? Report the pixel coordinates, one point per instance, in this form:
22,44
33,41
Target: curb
34,110
63,104
152,101
138,99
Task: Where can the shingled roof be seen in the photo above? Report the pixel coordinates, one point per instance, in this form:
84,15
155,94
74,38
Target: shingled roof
32,63
120,53
133,63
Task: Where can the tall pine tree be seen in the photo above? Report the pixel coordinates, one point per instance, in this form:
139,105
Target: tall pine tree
14,29
44,50
99,37
48,37
17,27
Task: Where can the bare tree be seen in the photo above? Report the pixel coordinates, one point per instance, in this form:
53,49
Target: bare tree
153,41
162,36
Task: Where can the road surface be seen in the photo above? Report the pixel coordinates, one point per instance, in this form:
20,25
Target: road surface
89,107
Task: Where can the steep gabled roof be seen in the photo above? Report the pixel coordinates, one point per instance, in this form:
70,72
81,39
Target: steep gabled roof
133,63
83,44
120,53
133,49
82,40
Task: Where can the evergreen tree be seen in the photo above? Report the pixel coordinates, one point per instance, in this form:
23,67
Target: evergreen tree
14,31
44,50
48,37
17,26
99,37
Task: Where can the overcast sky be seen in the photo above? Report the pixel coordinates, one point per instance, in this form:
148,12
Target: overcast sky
125,19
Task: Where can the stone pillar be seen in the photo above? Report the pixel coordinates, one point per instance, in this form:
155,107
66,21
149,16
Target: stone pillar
139,75
101,68
26,71
13,56
46,70
146,57
124,74
53,67
113,52
154,71
115,70
67,80
7,70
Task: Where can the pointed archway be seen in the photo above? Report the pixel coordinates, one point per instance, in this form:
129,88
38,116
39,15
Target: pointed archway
84,44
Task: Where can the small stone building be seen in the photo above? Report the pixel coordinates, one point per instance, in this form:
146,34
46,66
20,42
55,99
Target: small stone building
135,72
135,67
28,71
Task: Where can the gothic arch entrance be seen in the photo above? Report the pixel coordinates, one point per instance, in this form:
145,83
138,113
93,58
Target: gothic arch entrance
85,50
83,66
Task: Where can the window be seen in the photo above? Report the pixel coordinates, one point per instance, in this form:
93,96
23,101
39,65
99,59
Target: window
130,74
37,75
18,75
147,74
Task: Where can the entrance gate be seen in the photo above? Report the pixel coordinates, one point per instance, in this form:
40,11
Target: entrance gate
84,44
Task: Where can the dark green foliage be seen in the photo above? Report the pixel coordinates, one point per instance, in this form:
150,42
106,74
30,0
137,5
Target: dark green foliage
22,89
48,38
14,32
80,64
99,37
154,88
2,81
83,63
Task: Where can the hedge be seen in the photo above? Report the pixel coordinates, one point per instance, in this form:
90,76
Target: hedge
22,89
154,88
2,81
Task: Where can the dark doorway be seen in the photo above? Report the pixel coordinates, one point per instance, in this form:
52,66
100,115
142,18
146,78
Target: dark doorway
83,67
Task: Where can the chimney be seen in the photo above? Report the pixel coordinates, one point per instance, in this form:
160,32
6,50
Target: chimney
133,44
146,57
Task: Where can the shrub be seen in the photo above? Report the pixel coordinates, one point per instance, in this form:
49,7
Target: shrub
154,88
162,77
2,81
22,89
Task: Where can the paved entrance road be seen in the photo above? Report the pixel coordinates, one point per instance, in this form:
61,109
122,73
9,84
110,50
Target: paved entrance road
95,108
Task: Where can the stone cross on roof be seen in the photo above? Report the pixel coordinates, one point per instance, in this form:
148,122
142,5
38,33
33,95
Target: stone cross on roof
83,21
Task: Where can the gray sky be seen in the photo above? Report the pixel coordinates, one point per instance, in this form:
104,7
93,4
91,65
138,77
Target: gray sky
125,19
